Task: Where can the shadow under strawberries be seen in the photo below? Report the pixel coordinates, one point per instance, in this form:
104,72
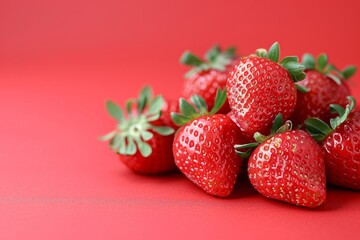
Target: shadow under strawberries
337,197
243,189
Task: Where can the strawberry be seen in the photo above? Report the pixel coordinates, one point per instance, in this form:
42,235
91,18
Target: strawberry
340,144
143,140
207,75
203,146
259,88
287,166
326,86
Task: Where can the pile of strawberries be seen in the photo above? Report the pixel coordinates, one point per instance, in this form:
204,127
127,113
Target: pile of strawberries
289,125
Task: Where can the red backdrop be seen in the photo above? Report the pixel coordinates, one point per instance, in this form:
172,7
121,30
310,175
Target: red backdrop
60,61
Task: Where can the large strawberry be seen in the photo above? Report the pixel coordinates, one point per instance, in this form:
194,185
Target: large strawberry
207,75
204,146
287,166
326,86
143,140
340,144
259,88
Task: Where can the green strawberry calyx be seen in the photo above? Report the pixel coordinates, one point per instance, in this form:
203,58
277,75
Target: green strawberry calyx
245,150
133,132
319,130
322,65
290,63
199,108
215,58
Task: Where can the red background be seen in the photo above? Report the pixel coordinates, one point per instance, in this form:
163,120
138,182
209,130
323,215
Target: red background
60,61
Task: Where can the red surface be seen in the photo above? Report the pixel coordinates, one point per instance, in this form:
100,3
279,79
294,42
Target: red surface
60,61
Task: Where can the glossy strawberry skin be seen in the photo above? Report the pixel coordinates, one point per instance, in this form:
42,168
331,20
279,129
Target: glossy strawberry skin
289,167
258,90
231,115
341,150
323,92
206,84
204,152
246,139
160,161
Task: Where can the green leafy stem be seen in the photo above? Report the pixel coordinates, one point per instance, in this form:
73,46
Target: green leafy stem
290,63
133,132
245,150
319,130
322,65
215,58
198,108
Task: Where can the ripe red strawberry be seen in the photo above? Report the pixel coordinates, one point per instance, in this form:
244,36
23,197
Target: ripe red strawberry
204,146
288,166
259,88
143,140
207,76
340,145
325,86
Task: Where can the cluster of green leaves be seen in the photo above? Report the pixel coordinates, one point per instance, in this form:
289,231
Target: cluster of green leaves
215,58
290,63
322,65
199,108
135,129
319,130
244,150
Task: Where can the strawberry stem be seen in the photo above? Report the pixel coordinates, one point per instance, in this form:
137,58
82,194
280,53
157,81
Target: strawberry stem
215,59
290,63
132,132
220,99
319,130
249,147
278,127
199,103
189,112
322,65
308,61
190,59
322,62
274,52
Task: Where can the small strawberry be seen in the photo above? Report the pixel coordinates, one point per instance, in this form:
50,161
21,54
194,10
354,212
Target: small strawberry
326,86
287,166
203,146
340,144
259,88
207,76
143,140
